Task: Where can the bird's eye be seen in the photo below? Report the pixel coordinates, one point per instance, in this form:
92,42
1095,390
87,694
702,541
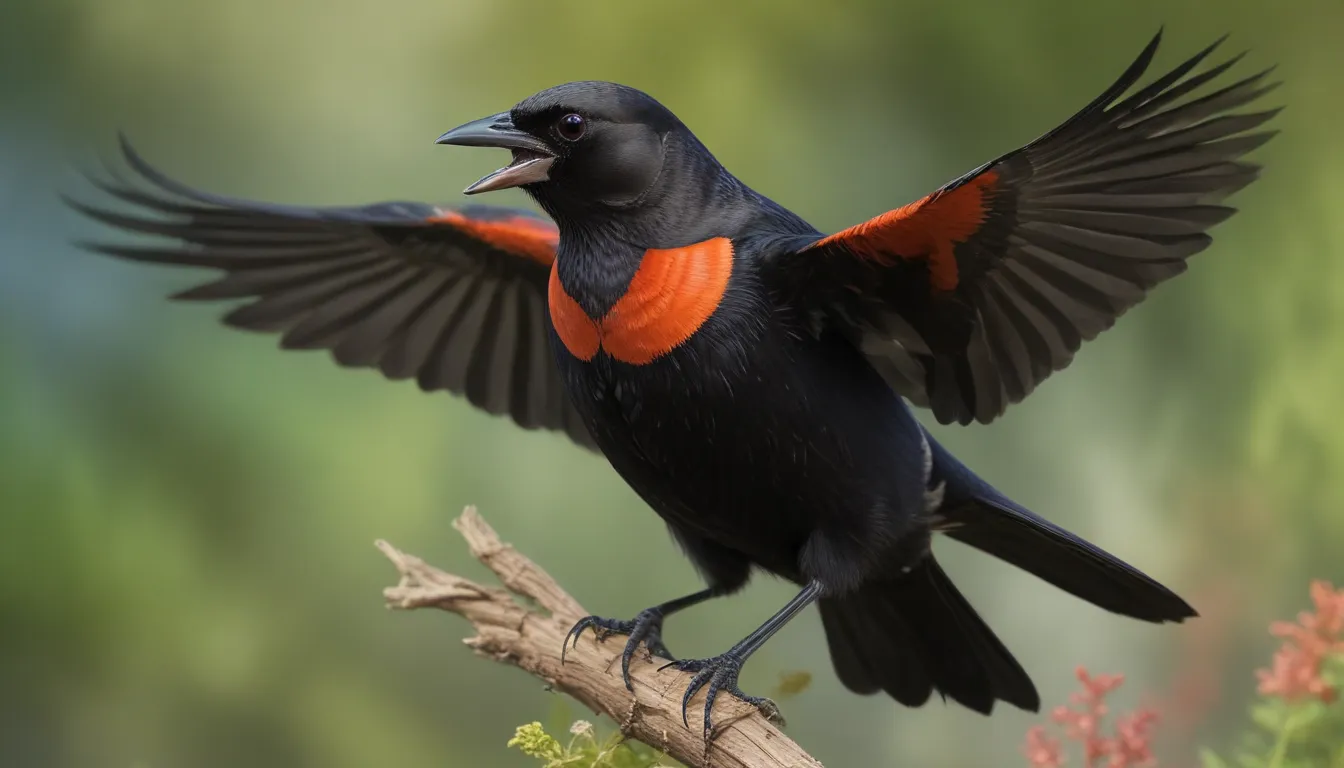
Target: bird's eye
571,127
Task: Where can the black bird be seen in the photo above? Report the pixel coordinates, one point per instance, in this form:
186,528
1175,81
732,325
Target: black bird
745,374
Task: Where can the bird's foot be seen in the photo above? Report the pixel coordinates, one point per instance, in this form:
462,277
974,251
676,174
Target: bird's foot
719,674
646,627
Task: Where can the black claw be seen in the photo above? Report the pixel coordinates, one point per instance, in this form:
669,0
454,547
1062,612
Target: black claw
646,627
576,631
719,674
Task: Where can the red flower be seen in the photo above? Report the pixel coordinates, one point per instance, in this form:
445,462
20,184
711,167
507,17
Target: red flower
1295,672
1130,747
1082,721
1043,751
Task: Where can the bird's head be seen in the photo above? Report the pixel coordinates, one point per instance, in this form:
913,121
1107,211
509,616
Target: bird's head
577,146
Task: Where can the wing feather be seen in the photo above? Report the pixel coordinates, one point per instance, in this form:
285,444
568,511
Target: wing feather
1003,273
455,299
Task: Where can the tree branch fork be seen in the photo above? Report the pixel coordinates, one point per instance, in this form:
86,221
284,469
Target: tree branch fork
530,639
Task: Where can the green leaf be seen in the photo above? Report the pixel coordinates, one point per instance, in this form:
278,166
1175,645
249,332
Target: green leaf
1333,670
792,683
1271,714
1210,759
1309,714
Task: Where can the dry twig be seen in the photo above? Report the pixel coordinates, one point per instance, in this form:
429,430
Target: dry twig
530,639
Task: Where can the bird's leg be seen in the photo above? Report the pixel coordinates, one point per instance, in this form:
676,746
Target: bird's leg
720,672
645,627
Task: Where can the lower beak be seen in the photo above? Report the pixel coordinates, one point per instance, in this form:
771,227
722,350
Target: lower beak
532,158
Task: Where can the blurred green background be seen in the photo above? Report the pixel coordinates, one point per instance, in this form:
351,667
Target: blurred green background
186,516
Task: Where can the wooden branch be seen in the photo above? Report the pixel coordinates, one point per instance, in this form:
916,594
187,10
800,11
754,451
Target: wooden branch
530,639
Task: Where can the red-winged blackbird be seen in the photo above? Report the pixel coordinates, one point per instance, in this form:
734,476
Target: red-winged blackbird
743,372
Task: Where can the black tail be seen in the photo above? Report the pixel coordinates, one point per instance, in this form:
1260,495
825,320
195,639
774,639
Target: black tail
996,525
916,634
974,513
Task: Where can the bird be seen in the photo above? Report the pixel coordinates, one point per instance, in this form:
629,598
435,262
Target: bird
754,380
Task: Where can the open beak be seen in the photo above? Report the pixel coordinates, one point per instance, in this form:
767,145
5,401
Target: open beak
532,158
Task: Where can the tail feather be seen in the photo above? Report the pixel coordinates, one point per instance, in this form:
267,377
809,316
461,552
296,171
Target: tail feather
874,652
974,513
916,634
1001,528
845,641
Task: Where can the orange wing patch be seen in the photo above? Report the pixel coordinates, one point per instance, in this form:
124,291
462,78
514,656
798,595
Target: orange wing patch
929,228
672,294
517,234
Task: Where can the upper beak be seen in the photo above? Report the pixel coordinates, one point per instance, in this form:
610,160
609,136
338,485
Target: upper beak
532,158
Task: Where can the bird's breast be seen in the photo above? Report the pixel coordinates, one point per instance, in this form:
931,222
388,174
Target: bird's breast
671,295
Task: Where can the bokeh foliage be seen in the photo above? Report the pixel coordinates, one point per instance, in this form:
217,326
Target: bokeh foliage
185,514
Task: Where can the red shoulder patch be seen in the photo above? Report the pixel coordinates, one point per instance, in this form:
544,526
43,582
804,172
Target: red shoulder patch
672,294
929,228
522,235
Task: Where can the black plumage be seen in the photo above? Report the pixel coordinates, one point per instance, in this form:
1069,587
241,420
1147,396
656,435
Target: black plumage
745,374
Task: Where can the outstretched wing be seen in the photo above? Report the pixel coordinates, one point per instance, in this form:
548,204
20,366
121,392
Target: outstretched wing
454,298
968,299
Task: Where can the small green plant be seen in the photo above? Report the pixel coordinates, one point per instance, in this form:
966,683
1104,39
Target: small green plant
1299,721
584,749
